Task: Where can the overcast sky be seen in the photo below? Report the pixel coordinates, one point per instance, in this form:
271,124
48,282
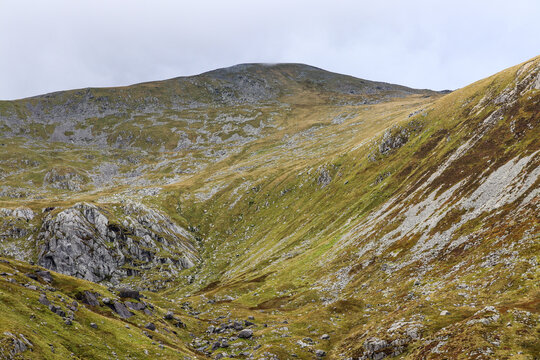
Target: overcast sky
56,45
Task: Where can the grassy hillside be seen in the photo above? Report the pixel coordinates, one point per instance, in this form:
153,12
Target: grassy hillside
343,218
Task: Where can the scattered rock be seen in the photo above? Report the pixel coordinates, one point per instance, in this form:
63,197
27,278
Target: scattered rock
122,310
237,325
129,293
445,313
89,298
19,344
324,178
57,310
320,353
45,275
325,337
180,324
135,305
393,141
93,325
490,315
19,213
74,306
66,179
245,334
169,315
150,326
43,300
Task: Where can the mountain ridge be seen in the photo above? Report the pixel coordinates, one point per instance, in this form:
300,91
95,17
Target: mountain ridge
224,70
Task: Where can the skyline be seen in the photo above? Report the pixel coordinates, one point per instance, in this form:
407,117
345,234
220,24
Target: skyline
62,45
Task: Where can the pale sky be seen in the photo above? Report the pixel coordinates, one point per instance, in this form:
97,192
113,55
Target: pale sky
56,45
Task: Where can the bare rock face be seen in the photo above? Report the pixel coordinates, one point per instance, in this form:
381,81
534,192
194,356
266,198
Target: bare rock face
393,141
18,213
63,179
90,243
19,344
324,178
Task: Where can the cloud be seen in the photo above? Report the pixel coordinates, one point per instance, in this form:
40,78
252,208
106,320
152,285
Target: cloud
63,44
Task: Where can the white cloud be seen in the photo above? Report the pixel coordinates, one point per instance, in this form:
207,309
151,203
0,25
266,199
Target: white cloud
60,44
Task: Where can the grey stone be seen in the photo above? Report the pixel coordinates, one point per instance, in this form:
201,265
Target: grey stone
245,334
45,275
129,293
169,315
19,213
121,310
135,305
237,325
150,326
43,300
81,241
89,298
20,344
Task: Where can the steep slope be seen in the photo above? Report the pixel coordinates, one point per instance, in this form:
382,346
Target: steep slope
367,221
377,243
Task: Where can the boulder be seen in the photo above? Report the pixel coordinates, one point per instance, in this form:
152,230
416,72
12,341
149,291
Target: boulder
45,275
43,300
169,315
121,310
135,305
237,325
89,298
245,334
129,293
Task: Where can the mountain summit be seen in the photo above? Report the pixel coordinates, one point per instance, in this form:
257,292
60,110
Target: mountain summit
272,211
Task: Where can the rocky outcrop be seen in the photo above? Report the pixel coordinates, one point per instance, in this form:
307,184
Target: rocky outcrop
90,242
16,344
324,177
18,213
63,179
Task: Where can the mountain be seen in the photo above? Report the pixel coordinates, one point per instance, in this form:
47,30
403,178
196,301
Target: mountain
272,211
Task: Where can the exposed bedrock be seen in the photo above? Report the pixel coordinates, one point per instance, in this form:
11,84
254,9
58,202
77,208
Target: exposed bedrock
89,242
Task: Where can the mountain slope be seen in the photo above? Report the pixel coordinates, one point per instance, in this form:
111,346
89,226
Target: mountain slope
363,220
